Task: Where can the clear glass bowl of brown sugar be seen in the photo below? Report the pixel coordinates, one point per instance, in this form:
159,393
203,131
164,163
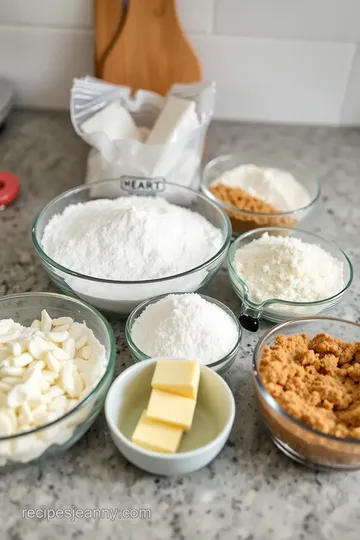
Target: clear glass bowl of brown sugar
247,212
323,433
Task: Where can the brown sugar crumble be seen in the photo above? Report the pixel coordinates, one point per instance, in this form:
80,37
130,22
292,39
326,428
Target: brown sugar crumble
243,201
316,381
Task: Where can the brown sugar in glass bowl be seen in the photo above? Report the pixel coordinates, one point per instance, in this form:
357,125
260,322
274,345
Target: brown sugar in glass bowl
246,212
297,421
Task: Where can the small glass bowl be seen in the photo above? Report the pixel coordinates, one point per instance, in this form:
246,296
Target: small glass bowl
274,309
65,431
293,437
121,297
246,220
220,366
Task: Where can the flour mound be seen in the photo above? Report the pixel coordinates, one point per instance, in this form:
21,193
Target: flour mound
287,268
130,238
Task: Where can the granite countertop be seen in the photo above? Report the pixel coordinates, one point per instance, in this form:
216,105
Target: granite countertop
251,491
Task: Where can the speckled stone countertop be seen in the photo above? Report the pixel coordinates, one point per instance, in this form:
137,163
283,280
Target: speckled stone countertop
251,491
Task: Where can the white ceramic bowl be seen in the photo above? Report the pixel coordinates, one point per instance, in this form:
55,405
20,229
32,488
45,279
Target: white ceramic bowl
213,420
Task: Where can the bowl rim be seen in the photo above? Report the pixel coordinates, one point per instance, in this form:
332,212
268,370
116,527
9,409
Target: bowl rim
141,307
235,209
271,401
85,187
237,280
159,455
109,367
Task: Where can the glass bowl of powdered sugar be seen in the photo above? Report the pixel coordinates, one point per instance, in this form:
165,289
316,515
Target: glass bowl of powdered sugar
256,190
186,326
119,242
281,273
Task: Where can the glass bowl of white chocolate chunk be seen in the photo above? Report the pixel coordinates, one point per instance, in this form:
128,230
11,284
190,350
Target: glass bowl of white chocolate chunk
57,358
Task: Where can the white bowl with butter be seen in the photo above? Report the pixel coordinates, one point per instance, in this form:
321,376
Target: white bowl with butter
213,419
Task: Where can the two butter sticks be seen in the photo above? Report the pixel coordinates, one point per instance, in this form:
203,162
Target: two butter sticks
171,407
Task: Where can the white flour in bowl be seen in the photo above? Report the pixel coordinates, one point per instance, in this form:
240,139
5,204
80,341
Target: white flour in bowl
130,239
286,268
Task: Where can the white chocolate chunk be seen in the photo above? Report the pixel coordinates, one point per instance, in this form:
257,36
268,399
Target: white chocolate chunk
33,376
60,321
49,376
38,364
11,381
16,396
46,321
62,328
81,342
15,348
69,347
12,371
60,354
36,325
44,386
58,337
76,330
52,363
25,415
23,359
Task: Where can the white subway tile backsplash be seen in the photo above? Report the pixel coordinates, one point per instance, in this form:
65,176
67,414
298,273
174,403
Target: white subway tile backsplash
276,81
328,20
196,15
275,61
42,63
54,13
351,106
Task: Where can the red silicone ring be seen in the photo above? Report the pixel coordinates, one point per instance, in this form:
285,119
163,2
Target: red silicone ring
9,188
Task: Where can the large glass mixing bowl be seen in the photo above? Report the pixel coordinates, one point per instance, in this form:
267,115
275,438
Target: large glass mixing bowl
121,297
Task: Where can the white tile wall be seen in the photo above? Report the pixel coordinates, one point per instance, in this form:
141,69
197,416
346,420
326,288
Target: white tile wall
351,103
269,80
311,20
51,13
274,61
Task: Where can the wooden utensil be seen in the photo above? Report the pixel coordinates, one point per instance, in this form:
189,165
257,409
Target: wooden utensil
152,51
107,26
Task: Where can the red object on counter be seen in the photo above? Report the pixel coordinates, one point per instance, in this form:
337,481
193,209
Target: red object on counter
9,188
